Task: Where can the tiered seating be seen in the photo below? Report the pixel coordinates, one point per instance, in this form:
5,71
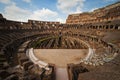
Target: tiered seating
103,54
33,63
41,64
9,43
109,71
3,61
17,63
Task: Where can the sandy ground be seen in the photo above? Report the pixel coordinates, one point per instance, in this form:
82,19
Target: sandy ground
60,57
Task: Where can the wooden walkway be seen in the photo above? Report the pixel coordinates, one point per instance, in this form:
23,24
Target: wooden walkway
61,74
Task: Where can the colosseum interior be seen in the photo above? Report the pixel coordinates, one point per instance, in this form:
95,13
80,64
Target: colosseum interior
86,47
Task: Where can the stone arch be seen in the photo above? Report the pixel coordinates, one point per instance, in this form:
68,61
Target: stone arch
97,27
103,27
93,27
111,26
107,27
100,27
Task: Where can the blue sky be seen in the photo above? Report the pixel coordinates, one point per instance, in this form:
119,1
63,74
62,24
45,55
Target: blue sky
48,10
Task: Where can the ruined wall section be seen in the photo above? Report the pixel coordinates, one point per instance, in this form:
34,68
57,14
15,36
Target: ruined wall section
105,14
31,24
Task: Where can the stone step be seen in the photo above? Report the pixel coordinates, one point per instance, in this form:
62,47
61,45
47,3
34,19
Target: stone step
2,59
27,64
22,60
2,55
12,77
4,74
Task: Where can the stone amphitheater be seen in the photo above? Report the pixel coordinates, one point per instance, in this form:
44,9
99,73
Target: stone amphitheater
86,47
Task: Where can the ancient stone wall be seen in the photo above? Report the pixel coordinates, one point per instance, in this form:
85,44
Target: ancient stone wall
31,24
108,13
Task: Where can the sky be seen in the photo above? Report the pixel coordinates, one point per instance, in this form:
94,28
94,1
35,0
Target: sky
48,10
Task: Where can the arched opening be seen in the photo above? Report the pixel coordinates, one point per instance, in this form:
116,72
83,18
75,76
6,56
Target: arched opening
111,26
107,27
116,26
100,27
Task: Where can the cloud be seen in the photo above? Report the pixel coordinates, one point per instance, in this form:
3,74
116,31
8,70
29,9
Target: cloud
93,9
110,0
69,6
14,12
27,1
5,1
44,14
60,20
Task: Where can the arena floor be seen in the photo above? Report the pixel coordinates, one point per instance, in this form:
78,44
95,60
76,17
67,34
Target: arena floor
60,57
